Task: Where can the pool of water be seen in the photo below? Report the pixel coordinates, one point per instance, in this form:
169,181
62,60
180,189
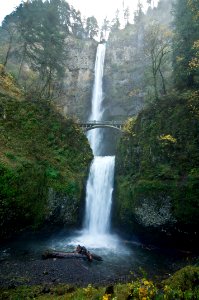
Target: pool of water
120,257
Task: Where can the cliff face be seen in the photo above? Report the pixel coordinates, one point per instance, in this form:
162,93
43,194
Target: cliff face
122,88
79,77
122,85
157,168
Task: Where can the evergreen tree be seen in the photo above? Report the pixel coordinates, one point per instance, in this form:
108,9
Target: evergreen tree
186,27
138,14
115,22
92,27
105,29
41,29
126,15
77,24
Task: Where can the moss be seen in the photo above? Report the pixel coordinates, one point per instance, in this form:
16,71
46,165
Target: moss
184,279
158,158
39,150
8,85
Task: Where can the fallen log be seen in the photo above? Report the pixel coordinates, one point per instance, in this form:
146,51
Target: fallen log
57,254
82,250
96,257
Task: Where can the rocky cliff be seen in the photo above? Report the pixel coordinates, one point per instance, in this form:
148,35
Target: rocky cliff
122,85
79,77
157,168
122,88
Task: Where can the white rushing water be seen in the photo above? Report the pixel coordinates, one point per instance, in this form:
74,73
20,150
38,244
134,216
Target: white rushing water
101,177
99,195
99,189
95,136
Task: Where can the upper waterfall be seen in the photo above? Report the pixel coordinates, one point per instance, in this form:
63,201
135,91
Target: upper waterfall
97,98
95,136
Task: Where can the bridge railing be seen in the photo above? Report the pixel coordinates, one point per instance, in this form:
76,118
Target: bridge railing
94,122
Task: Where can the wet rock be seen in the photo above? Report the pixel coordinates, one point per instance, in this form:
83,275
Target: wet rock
45,272
46,290
109,290
154,211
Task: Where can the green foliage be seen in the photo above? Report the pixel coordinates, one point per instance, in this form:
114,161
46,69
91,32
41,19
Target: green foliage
91,27
33,44
140,60
158,158
39,150
157,46
186,35
184,279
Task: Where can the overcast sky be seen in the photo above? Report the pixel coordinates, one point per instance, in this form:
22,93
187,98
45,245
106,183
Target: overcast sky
99,8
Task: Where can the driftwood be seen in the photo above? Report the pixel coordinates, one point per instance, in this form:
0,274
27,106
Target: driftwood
80,252
58,254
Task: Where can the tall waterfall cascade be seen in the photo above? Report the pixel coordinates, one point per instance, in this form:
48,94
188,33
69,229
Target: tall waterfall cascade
101,177
95,136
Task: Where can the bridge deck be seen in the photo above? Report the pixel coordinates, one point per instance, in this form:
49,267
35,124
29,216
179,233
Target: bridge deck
101,123
88,125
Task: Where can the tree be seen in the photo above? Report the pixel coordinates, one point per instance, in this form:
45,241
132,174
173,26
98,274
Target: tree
77,24
42,31
104,29
150,2
126,15
9,26
157,46
92,27
194,5
138,14
186,29
115,22
194,62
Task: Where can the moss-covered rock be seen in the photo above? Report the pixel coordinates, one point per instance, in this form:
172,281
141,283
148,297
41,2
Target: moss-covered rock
158,165
44,160
186,278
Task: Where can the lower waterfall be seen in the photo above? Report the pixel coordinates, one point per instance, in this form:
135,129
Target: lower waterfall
99,195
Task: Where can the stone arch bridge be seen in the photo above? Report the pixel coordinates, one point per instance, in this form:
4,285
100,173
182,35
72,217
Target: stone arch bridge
89,125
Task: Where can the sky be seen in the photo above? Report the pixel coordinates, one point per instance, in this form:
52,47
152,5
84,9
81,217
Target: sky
100,9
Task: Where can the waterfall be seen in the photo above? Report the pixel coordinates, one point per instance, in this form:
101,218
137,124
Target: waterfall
100,182
99,195
95,136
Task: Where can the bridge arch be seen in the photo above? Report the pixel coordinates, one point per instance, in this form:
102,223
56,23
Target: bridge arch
89,125
103,126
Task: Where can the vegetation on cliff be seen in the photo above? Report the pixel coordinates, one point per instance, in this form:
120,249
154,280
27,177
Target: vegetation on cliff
34,44
43,157
158,161
138,64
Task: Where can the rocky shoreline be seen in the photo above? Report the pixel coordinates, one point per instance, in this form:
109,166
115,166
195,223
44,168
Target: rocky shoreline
54,271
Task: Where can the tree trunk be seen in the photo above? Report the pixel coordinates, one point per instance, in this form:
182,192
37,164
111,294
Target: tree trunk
8,51
59,254
22,60
155,85
163,83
